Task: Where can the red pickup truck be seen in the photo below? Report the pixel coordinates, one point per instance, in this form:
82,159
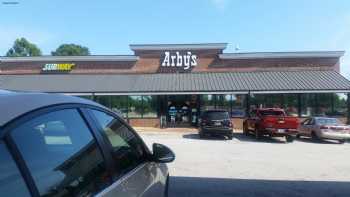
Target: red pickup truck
271,121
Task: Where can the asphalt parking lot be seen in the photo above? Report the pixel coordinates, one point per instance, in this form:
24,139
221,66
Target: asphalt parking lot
244,167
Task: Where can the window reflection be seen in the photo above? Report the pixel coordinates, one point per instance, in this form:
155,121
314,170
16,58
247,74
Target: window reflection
135,107
127,148
290,102
11,180
149,106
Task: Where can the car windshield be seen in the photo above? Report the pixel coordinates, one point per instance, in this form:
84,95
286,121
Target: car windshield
327,121
217,115
271,113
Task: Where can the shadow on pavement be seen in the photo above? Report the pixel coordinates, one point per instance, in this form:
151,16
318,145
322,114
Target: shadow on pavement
222,187
196,136
263,139
309,140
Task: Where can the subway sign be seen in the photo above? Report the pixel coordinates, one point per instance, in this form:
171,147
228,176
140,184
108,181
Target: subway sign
64,67
179,60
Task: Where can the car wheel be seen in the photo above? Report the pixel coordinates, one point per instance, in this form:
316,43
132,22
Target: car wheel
230,136
201,135
298,136
289,138
257,134
341,141
314,137
245,129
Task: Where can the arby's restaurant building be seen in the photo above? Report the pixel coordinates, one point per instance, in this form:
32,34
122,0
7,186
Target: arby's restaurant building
169,85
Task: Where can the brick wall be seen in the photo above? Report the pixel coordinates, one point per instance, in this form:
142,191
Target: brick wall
147,122
206,63
237,123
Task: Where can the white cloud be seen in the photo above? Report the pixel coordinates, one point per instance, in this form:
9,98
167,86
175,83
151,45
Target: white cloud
9,34
220,4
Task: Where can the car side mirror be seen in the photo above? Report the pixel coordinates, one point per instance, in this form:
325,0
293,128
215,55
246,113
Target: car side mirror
162,154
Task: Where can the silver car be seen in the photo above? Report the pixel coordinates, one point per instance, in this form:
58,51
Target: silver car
56,145
324,128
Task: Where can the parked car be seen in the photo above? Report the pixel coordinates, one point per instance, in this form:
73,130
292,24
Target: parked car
324,128
215,122
56,145
271,121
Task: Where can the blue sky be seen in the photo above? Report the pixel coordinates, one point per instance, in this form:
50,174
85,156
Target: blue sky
108,27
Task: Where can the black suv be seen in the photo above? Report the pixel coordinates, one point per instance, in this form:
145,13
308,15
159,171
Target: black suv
215,122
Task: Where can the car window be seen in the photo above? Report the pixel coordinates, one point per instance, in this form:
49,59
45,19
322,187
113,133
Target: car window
328,121
11,180
271,113
311,121
61,154
306,121
217,115
127,147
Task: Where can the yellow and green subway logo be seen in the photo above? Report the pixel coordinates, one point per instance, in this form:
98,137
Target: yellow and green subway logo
58,67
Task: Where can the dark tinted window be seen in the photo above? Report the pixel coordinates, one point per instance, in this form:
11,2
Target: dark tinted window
11,181
127,147
216,115
271,113
61,154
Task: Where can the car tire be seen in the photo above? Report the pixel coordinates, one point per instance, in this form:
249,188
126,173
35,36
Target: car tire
298,136
289,139
257,134
341,141
201,135
230,136
245,129
314,137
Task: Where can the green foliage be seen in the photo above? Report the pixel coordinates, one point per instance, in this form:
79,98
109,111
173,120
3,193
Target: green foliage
22,47
70,50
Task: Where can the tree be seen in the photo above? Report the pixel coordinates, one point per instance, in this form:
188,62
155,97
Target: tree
70,50
22,47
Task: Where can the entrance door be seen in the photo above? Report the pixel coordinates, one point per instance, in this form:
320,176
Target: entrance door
181,110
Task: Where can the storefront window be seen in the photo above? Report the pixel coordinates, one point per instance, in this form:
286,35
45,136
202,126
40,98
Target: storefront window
324,104
234,104
238,105
208,102
149,106
266,100
340,105
119,104
103,100
90,97
290,102
135,107
256,101
307,103
273,100
223,102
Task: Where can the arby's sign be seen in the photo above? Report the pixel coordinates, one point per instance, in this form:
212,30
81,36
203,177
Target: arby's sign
184,60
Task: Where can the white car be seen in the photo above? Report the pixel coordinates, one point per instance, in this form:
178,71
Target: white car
324,128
